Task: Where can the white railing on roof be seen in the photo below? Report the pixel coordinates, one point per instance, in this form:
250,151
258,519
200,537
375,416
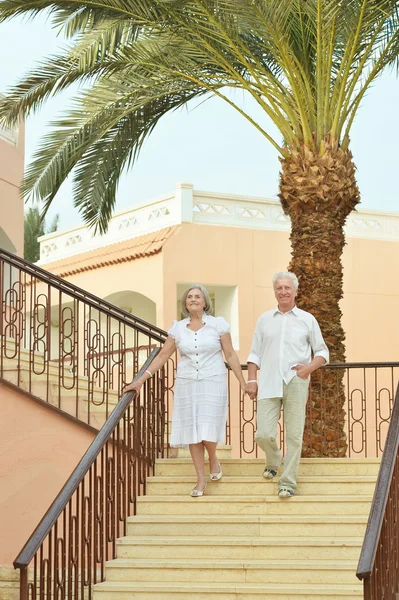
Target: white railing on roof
187,205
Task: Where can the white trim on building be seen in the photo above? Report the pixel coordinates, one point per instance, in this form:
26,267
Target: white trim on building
187,205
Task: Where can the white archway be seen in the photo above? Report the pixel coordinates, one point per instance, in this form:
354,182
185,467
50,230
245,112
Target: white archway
5,242
136,304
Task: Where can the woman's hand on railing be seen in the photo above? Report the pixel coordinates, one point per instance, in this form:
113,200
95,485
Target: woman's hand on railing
135,386
252,389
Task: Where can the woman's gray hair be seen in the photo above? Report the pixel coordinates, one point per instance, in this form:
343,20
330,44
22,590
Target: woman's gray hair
286,275
205,295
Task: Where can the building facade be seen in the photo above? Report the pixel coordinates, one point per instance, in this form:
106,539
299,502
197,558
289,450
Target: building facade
11,204
233,245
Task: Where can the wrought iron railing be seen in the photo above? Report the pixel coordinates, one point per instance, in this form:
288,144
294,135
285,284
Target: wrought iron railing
66,554
65,345
379,560
76,352
368,389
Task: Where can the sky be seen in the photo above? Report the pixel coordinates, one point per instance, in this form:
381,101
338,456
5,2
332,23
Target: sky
209,145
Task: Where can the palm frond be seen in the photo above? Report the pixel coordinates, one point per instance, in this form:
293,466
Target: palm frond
306,64
105,132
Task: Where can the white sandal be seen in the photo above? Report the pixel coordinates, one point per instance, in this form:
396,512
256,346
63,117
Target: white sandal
218,475
197,493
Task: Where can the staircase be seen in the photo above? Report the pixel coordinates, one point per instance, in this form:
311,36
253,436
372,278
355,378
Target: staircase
240,541
58,387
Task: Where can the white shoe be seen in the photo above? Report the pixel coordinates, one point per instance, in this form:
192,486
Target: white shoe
197,493
269,473
285,492
216,476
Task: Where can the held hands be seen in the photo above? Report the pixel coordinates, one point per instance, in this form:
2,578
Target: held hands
243,386
252,389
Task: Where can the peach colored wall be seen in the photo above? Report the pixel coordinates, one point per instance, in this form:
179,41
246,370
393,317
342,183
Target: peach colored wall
228,256
143,276
38,451
248,258
11,204
371,300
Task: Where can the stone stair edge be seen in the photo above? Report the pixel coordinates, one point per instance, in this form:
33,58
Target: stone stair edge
232,563
307,519
222,587
261,461
149,540
262,498
255,479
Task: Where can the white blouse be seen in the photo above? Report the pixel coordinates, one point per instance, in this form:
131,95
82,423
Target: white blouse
200,351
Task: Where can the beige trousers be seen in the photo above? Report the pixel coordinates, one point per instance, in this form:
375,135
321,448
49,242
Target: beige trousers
294,399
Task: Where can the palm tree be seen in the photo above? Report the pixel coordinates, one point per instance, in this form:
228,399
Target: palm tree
308,65
34,227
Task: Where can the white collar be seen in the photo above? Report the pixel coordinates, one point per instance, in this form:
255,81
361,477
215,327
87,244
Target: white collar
205,318
294,310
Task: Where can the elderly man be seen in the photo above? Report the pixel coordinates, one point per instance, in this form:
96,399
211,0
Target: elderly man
284,340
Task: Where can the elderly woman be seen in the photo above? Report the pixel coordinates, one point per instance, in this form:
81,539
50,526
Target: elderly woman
200,399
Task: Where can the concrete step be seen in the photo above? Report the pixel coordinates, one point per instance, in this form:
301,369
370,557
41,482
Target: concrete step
244,486
232,571
241,548
9,583
236,467
270,525
222,591
254,505
53,377
223,451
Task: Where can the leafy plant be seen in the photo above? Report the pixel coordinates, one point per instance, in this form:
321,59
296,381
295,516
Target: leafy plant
34,227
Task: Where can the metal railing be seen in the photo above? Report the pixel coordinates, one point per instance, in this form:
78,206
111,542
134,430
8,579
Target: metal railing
66,554
379,560
76,352
65,345
359,395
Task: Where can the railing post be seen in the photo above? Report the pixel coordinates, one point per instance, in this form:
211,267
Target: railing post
23,583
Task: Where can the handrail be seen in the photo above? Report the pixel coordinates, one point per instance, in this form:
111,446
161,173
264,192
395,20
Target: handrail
80,294
31,547
348,365
354,400
381,495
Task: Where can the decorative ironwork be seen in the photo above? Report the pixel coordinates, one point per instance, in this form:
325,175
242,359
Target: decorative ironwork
368,390
66,554
66,346
379,559
84,351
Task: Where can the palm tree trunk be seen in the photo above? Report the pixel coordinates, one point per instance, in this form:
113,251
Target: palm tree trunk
318,192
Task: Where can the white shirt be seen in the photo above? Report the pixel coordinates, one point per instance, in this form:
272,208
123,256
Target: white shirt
200,351
281,341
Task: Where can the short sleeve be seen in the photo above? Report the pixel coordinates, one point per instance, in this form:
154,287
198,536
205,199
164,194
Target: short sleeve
222,326
173,330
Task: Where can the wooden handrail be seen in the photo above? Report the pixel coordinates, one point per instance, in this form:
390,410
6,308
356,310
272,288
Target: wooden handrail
376,518
31,547
348,365
80,294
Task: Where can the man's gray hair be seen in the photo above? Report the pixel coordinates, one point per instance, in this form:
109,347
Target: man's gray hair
205,295
286,275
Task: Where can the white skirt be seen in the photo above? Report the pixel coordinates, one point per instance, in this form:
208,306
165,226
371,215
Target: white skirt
199,411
